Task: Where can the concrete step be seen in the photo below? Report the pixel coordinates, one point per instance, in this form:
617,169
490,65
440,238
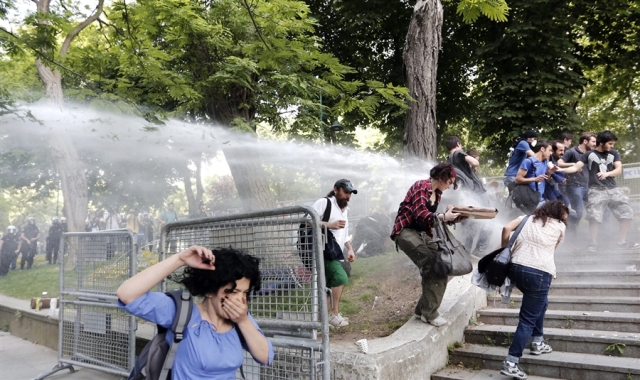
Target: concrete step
597,265
567,319
582,303
616,289
595,256
560,365
597,277
458,373
580,341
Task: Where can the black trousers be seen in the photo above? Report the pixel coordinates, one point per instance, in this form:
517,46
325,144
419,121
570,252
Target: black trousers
28,254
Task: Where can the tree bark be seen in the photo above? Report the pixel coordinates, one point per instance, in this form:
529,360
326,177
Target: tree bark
250,178
73,180
421,62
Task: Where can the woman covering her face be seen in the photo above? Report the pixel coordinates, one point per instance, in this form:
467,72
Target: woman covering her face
212,347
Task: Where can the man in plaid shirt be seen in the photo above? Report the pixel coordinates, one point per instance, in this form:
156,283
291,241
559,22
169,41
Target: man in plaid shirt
412,232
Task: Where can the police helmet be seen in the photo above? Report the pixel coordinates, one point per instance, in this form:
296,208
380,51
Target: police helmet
63,220
31,220
55,220
12,230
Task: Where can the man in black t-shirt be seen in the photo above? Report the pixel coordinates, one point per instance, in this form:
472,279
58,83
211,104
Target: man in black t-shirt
603,164
472,194
577,183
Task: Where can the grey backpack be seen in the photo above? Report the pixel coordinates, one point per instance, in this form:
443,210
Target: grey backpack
156,359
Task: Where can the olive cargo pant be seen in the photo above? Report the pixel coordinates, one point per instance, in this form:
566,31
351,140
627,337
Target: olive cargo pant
423,253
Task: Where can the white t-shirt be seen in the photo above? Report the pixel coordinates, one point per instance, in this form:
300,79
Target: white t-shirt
536,245
341,235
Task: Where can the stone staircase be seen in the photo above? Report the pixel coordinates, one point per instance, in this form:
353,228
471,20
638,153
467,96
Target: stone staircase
592,323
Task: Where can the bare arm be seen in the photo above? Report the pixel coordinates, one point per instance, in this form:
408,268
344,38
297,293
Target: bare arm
574,168
617,170
529,153
563,164
472,161
141,283
521,180
508,229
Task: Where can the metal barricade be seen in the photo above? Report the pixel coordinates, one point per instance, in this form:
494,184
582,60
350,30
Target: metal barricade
93,331
291,306
629,181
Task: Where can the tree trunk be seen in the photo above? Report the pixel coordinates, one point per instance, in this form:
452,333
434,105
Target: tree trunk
73,181
52,81
421,61
250,178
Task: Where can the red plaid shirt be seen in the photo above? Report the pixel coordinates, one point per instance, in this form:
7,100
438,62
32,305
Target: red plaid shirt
413,211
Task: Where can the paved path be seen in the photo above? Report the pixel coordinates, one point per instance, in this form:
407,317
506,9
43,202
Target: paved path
23,360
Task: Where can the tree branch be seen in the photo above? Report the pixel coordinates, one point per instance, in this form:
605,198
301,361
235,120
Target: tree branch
255,25
80,27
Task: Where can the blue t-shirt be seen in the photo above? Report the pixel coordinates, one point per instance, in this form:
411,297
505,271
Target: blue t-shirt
519,154
540,169
204,353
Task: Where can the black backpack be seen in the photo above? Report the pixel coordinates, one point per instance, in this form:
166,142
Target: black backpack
156,359
332,250
525,198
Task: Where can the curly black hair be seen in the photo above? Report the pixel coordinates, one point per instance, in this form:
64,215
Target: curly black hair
443,172
231,265
554,209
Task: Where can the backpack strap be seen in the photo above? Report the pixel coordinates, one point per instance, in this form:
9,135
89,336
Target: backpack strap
184,308
533,166
515,234
327,211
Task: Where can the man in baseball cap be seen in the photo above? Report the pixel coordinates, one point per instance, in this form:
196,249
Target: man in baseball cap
346,185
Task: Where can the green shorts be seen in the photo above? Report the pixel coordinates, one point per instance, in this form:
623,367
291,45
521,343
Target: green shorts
335,274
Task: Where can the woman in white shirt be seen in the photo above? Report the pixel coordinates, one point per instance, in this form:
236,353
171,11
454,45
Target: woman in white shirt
532,269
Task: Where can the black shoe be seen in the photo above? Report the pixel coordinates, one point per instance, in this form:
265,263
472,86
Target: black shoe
628,245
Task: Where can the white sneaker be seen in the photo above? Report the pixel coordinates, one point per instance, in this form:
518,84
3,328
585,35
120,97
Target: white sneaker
438,322
338,321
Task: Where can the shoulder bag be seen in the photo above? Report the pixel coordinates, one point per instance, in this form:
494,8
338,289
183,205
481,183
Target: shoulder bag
495,265
453,258
525,198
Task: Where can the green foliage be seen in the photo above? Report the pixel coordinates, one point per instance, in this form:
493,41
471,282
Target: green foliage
227,61
494,10
615,349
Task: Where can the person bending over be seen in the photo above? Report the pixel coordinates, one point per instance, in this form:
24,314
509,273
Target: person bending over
531,271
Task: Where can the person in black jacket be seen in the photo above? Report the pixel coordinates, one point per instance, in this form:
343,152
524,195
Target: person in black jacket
10,245
30,236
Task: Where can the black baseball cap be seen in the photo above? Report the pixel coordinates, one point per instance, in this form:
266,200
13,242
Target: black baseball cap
346,185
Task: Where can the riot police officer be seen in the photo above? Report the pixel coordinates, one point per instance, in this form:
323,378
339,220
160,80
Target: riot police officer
30,236
9,249
53,240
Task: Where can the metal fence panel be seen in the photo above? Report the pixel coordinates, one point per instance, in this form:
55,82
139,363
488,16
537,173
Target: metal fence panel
96,335
103,261
93,331
292,301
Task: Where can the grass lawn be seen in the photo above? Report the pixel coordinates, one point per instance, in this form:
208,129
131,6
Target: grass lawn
27,284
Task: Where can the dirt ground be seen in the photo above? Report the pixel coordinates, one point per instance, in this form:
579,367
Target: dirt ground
381,296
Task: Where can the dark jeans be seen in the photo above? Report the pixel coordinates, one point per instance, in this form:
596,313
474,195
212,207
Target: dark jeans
423,253
577,196
534,285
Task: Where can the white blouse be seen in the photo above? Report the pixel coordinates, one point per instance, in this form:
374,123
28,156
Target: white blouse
536,245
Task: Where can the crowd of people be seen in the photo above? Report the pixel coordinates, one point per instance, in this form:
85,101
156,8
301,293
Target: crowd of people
567,182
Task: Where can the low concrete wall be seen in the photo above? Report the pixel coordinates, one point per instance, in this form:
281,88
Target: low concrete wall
417,349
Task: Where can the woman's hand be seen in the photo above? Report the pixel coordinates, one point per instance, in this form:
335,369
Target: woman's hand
198,257
235,307
451,216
